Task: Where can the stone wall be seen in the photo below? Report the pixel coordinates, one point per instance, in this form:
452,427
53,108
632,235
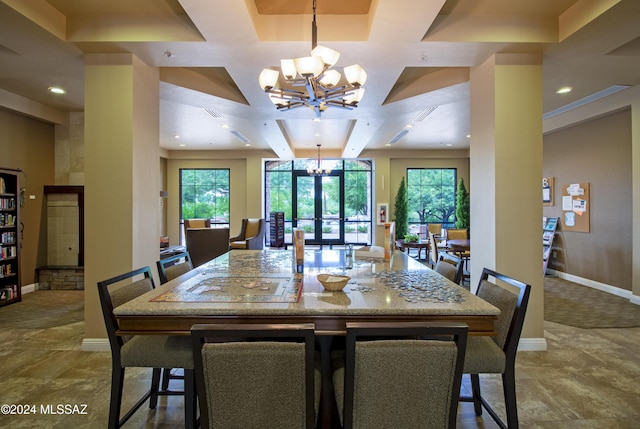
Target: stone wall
60,278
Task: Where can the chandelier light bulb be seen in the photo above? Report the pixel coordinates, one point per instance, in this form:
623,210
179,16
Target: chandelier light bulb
268,79
329,56
330,78
288,68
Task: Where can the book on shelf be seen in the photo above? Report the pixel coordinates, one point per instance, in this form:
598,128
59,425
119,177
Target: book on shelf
8,293
3,186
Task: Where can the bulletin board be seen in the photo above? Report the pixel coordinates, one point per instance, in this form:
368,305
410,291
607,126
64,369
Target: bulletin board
547,191
575,207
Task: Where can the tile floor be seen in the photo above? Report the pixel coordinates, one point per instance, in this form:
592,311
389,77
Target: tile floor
587,379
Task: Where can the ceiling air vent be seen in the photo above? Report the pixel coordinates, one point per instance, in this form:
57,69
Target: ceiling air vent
213,113
239,135
422,115
398,136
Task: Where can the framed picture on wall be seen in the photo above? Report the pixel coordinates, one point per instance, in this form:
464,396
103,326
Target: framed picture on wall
382,213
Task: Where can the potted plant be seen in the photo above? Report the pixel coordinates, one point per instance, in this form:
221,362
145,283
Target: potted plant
463,213
411,238
400,210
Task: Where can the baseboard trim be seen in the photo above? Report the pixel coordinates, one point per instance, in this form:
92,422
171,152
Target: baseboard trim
29,288
532,345
613,290
96,345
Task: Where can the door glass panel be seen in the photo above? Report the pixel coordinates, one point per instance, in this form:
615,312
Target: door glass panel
305,207
331,211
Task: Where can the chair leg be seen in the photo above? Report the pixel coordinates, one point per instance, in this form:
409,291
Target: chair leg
509,388
117,383
166,377
475,393
155,384
190,400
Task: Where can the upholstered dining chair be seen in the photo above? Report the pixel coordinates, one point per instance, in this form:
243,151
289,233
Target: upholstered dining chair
400,375
450,266
251,235
497,354
254,376
168,269
147,351
174,266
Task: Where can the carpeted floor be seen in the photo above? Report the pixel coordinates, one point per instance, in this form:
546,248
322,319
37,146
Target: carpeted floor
584,307
44,309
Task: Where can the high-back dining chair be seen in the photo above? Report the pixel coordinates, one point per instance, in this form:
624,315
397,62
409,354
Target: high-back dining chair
497,355
401,375
450,266
168,269
174,266
252,376
146,351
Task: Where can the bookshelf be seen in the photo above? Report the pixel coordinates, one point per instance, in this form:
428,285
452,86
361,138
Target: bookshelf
9,237
549,226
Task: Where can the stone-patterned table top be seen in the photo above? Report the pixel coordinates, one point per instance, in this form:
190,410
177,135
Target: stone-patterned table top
263,282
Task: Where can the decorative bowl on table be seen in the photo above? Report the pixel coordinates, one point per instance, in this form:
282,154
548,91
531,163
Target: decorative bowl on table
332,282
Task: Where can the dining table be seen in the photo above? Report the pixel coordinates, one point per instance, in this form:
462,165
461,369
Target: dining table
459,245
262,286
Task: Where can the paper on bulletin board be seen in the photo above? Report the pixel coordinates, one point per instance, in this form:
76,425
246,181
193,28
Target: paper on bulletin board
547,191
575,207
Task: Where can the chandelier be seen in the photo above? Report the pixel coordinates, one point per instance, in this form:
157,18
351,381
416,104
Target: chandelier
318,78
318,171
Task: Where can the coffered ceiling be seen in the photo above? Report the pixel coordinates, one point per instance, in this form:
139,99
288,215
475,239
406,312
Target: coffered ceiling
418,55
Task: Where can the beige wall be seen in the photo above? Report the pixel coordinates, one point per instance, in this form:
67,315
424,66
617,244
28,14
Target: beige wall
27,144
598,152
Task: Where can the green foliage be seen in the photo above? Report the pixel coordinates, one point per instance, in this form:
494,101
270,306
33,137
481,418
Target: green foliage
205,194
431,193
400,210
411,238
463,213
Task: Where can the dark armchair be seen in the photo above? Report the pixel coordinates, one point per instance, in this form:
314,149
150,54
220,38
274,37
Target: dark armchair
204,244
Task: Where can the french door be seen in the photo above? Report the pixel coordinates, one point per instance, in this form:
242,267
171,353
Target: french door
318,207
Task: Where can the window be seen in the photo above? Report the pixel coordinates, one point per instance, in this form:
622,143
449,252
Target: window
204,194
432,196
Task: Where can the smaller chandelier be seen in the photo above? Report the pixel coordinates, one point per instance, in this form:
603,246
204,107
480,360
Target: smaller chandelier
318,78
318,171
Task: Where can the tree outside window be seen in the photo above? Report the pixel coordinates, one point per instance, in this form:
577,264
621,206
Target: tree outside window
204,194
432,195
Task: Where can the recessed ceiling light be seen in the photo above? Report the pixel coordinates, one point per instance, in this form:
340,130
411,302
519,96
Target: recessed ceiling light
468,136
408,126
317,135
225,126
564,90
247,144
176,136
449,144
57,90
316,119
182,145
